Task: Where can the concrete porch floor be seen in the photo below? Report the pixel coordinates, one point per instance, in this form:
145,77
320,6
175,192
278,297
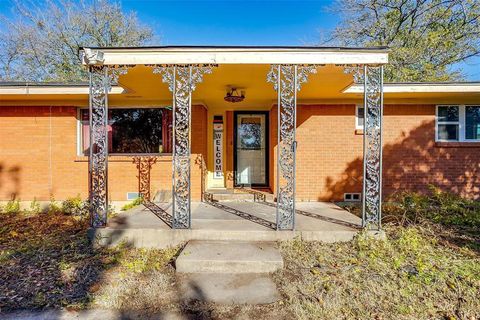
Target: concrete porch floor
148,225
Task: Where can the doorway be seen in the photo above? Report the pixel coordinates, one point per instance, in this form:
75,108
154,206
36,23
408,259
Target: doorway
250,149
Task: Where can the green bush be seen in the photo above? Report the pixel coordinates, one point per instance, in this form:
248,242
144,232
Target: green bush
75,206
132,204
34,207
437,206
53,207
12,206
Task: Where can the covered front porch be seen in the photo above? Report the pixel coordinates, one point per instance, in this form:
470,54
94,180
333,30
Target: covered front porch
275,77
150,225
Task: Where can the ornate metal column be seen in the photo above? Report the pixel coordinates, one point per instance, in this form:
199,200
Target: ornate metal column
372,147
372,79
181,80
101,77
287,80
144,166
98,151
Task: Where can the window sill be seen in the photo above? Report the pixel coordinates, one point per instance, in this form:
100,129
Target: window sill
126,157
359,132
453,144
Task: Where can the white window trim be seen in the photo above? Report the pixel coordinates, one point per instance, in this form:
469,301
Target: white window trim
79,132
358,126
461,122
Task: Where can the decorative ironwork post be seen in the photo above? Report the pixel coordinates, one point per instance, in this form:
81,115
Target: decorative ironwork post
101,77
372,147
144,166
287,80
372,79
181,80
98,151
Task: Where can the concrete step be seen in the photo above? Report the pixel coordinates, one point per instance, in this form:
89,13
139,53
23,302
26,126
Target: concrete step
240,194
228,288
234,231
233,197
229,257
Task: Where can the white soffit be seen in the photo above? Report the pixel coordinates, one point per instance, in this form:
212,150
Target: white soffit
141,56
56,90
421,88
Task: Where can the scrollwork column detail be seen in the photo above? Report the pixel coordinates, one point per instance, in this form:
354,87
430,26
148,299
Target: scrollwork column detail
98,150
181,80
144,165
356,71
372,79
372,150
101,79
287,80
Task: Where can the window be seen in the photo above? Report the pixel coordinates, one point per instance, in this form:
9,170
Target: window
448,123
472,122
359,117
132,131
458,123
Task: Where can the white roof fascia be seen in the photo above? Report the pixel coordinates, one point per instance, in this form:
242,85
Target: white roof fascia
159,56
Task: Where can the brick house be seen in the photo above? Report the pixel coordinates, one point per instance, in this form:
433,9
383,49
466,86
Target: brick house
430,131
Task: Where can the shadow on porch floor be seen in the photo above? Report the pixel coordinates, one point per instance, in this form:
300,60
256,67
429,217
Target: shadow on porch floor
148,226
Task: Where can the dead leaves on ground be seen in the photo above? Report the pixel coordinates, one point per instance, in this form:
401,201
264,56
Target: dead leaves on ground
45,261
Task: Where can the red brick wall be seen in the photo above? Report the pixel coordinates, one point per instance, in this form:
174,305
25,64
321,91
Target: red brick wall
412,159
329,158
38,157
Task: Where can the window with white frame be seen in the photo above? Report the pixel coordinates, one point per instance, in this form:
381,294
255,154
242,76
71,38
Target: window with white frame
359,117
458,123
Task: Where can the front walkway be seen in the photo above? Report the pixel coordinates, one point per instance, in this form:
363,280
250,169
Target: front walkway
149,225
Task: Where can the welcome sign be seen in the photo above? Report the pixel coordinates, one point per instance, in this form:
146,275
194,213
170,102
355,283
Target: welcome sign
218,147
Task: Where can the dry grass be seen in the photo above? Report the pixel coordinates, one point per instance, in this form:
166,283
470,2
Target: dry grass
46,262
144,281
424,270
412,275
141,279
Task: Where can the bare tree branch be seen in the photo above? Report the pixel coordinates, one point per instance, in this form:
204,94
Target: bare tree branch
42,40
426,36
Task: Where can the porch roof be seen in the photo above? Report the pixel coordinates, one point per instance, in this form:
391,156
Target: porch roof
233,55
29,87
422,87
48,93
49,88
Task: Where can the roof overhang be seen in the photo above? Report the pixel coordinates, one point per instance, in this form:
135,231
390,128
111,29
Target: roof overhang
233,55
467,87
49,89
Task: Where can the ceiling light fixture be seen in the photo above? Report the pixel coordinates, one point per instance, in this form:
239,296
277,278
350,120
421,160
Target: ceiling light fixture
234,96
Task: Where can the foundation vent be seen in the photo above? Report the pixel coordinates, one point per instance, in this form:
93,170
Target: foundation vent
352,197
